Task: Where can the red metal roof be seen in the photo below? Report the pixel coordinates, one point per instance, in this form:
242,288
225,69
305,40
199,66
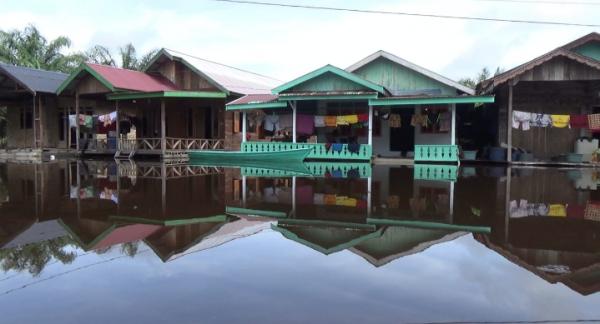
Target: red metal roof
133,80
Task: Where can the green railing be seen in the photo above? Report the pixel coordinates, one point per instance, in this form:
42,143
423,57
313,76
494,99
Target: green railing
314,169
319,150
436,153
438,172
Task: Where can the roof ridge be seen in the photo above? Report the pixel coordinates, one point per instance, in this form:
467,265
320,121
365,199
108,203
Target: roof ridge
116,67
222,64
31,68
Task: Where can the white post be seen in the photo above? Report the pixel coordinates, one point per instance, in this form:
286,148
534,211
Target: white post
244,191
369,203
370,140
453,125
293,104
244,127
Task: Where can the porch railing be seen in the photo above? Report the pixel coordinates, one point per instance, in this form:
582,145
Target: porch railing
436,153
319,150
437,172
172,144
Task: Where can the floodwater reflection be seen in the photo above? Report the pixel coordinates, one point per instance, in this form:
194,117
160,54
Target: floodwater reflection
456,239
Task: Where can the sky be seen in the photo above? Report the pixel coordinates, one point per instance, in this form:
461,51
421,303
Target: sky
286,43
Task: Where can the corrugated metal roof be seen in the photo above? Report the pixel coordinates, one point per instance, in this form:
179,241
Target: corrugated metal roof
132,80
232,79
398,60
34,79
254,98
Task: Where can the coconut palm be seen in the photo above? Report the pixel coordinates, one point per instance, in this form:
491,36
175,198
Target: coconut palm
28,47
34,257
128,57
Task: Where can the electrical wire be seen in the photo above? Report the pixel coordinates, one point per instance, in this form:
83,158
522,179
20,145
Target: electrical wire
552,2
412,14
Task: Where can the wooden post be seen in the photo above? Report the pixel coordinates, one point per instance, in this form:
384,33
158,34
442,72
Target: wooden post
509,123
370,138
118,126
507,203
66,127
244,121
369,196
453,125
77,128
294,135
34,122
163,128
163,181
244,188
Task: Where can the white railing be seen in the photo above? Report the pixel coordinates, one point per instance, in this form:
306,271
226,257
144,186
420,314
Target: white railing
172,144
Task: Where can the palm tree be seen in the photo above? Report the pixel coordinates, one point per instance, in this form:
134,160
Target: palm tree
128,57
34,257
28,47
481,76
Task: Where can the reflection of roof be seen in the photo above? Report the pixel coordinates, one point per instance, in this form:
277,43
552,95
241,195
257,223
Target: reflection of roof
132,80
397,242
125,234
230,78
42,231
245,226
33,79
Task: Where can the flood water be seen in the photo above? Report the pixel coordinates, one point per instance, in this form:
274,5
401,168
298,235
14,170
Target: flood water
98,242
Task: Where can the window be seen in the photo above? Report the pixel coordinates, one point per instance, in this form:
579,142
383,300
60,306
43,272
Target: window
26,118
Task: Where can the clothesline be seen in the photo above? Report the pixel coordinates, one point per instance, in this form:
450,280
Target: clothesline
526,120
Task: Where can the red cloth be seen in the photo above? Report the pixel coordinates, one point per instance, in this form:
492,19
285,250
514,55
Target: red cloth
363,117
575,211
579,121
362,204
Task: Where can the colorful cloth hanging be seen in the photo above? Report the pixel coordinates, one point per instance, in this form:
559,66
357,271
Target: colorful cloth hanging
305,124
557,210
320,121
560,121
579,121
363,117
594,122
521,119
540,120
395,121
330,121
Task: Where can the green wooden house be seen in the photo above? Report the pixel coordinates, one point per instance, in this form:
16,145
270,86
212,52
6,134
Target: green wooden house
382,105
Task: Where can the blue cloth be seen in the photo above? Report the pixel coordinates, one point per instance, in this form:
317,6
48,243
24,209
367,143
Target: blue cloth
337,147
337,173
354,148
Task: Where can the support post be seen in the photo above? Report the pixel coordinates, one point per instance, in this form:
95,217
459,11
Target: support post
163,181
294,197
34,123
507,202
294,136
244,188
67,129
118,126
509,118
370,139
244,122
453,125
163,129
369,196
41,123
77,128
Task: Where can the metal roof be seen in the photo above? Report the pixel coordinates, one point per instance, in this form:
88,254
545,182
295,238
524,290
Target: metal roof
132,80
34,80
254,99
223,76
438,77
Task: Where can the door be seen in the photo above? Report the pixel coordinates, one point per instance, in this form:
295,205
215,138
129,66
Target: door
402,139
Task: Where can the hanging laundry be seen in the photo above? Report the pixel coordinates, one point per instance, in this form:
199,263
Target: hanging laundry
341,121
560,121
419,120
575,211
88,121
594,122
329,199
445,122
319,199
72,121
579,121
271,123
395,121
557,210
337,173
330,121
286,121
518,210
346,201
354,148
592,211
337,147
350,119
521,119
540,120
305,124
363,118
320,121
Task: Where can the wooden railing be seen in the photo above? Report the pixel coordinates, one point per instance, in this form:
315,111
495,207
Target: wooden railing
319,151
436,153
172,144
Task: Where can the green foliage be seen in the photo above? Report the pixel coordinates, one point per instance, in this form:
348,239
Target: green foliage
481,76
28,47
35,257
127,55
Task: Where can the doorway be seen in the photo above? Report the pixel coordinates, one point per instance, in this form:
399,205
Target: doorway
402,139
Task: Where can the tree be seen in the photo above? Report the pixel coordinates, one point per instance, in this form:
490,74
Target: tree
481,76
29,48
127,54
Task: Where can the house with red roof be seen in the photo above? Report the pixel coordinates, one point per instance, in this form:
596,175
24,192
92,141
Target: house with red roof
175,104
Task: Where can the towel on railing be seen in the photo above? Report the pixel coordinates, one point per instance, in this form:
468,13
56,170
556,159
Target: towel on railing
354,148
337,147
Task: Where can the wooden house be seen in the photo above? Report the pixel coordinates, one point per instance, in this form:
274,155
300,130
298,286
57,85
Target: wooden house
532,97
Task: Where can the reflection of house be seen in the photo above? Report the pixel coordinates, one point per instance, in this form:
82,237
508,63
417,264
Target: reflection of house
397,242
42,231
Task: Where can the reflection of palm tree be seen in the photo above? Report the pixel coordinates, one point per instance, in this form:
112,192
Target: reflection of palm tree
34,257
130,248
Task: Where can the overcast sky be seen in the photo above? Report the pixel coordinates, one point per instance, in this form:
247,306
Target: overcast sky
286,42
